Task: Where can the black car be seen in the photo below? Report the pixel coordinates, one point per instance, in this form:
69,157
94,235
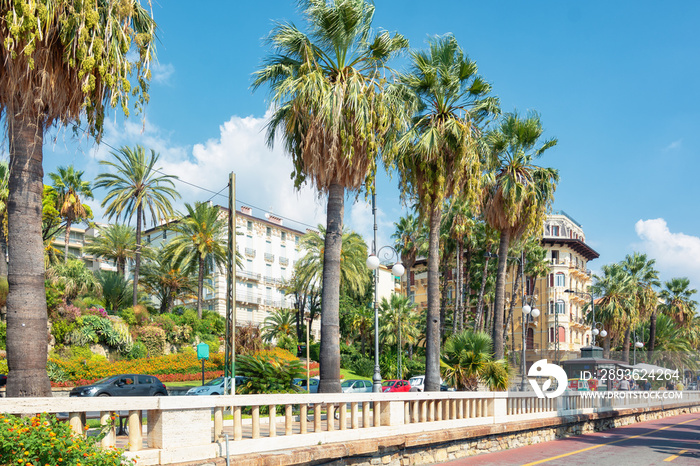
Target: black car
3,380
123,385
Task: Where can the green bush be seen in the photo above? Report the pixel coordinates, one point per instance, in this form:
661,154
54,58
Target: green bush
364,367
154,340
288,342
213,342
211,323
268,374
4,288
138,351
42,439
60,329
128,316
315,351
3,335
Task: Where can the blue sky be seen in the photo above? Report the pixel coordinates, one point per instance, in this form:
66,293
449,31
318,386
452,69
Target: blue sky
615,82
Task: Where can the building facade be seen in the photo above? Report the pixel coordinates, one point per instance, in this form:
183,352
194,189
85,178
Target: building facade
78,237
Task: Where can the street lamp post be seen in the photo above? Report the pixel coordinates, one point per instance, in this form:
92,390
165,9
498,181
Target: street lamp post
373,263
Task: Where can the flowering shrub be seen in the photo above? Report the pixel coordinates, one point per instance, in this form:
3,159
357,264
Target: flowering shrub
43,440
278,353
96,311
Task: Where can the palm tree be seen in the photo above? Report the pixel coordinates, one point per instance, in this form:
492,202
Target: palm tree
438,155
60,64
70,187
277,324
517,195
116,290
398,322
353,257
200,243
333,116
362,322
678,303
4,193
617,295
167,281
468,360
74,278
645,278
461,224
410,243
136,188
114,242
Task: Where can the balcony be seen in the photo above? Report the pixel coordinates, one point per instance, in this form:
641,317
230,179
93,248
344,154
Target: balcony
284,261
248,275
250,252
247,297
269,257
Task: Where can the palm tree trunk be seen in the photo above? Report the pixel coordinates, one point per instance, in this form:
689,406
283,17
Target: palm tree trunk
466,295
432,337
606,347
498,305
626,346
67,239
137,255
200,288
443,295
330,300
510,319
121,267
480,304
652,336
457,316
27,335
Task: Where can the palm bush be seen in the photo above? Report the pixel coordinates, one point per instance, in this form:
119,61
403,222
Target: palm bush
116,290
268,374
468,359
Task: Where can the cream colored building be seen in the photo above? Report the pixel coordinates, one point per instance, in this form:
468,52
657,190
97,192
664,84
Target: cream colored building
78,237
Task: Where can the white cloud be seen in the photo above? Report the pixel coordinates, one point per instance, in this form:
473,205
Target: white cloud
161,72
676,254
674,145
262,174
362,221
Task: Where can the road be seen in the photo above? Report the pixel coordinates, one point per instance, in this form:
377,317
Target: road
673,440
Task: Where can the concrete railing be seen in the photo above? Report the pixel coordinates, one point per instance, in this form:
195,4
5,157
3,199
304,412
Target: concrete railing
164,430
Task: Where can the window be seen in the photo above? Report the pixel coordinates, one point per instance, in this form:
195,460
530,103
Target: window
165,234
268,232
555,230
561,307
249,226
284,236
555,256
560,279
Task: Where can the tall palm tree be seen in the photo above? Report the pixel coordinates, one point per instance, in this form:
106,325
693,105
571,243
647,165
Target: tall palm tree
114,242
409,241
438,156
200,243
70,187
353,257
163,278
61,64
362,322
678,302
4,193
461,224
617,295
135,189
517,195
333,115
645,279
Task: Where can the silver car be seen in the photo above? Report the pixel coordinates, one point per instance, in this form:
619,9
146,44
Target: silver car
356,386
216,386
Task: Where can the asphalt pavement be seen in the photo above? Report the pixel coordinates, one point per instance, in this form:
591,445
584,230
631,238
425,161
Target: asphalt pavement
673,440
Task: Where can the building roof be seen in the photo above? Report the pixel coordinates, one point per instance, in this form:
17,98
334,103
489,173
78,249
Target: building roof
576,244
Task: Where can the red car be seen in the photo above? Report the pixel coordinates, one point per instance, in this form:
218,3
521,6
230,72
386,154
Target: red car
396,386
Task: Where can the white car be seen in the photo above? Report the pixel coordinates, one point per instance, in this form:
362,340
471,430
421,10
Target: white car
214,387
417,384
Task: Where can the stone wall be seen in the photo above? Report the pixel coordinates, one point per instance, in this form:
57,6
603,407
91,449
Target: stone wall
450,444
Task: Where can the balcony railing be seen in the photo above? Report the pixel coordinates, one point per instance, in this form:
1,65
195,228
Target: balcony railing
284,261
248,275
248,297
269,257
250,252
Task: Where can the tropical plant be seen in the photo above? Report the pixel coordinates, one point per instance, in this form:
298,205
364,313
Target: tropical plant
200,244
166,280
267,374
62,63
398,323
678,302
362,323
409,241
114,242
277,324
438,156
135,189
644,279
334,116
70,187
74,278
517,195
617,294
116,290
468,359
353,258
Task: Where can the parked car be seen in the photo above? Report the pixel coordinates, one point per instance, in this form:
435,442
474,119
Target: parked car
216,386
395,386
692,386
123,385
301,383
356,386
418,384
3,380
